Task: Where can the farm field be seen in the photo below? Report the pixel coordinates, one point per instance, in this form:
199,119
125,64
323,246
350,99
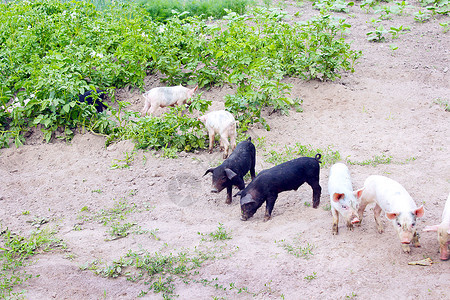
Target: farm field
389,118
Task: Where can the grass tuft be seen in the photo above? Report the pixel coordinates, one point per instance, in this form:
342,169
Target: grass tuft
15,252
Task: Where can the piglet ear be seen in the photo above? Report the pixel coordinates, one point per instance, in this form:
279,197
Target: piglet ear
431,228
209,170
247,199
337,197
230,173
419,212
391,216
358,193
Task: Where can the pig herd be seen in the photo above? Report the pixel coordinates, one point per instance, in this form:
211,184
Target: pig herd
388,195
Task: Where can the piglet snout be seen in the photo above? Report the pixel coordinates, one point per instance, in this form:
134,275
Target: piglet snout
355,220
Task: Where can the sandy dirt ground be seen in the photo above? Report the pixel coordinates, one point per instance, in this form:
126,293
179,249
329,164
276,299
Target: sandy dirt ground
388,106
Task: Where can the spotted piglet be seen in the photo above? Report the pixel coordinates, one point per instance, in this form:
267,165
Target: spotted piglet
166,96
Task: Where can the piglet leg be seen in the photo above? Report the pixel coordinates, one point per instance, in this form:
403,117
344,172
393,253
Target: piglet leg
335,214
229,190
317,190
376,213
415,240
270,202
211,140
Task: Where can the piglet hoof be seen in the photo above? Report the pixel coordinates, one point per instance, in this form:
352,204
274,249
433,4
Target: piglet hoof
405,248
210,151
417,245
225,156
267,218
335,229
228,201
380,229
350,227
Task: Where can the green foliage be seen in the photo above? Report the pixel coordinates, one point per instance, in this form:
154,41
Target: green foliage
52,51
441,7
219,235
379,33
118,230
311,277
327,207
123,163
161,10
118,212
326,53
422,16
369,4
386,11
430,8
158,270
329,156
353,295
445,27
443,103
232,286
401,7
15,251
113,218
173,130
396,31
375,161
333,5
296,248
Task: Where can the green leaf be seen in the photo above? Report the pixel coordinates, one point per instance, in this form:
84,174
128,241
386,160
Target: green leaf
66,108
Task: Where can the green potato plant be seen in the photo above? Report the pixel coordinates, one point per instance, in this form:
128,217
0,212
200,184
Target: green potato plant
52,51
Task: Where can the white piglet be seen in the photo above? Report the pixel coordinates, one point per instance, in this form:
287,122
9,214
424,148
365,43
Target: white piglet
223,123
443,231
392,198
166,96
342,198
